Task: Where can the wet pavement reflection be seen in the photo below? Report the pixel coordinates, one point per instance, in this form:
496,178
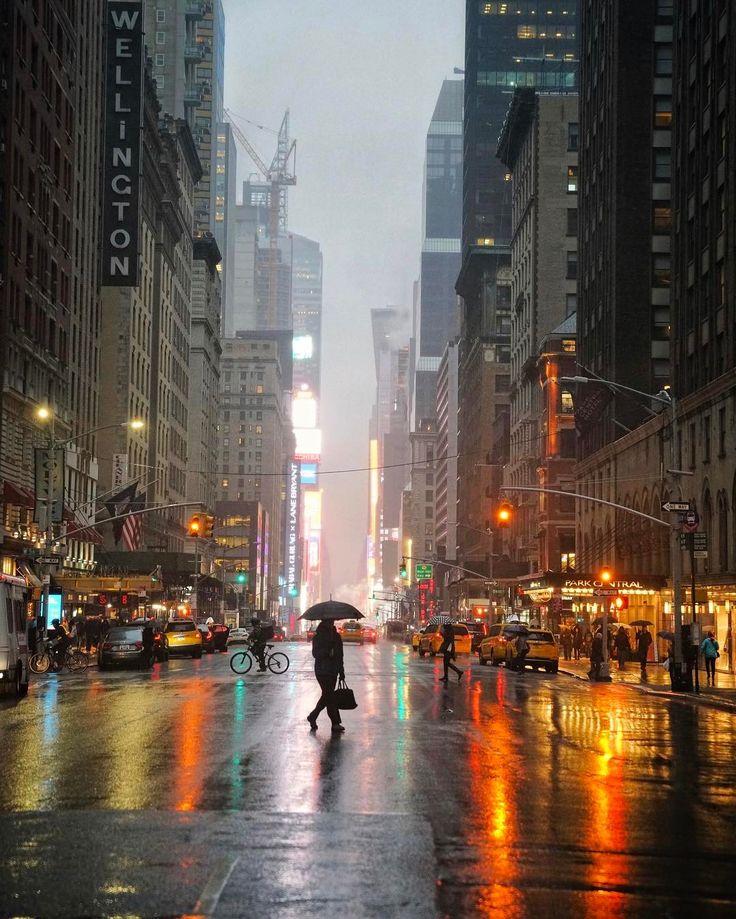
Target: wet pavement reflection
528,794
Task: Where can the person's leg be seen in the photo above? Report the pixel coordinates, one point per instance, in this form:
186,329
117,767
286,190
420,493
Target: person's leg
445,666
332,710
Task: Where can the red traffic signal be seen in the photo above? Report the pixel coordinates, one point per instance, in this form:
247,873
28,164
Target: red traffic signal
620,603
504,514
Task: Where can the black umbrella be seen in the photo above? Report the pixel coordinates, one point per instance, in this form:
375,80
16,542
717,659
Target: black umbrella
332,609
518,628
439,619
641,622
611,621
668,636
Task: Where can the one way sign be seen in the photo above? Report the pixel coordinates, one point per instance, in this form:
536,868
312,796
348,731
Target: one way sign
676,506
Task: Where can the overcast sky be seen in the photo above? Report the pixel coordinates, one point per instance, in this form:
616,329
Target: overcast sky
361,78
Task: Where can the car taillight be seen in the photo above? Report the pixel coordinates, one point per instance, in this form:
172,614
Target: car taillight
139,644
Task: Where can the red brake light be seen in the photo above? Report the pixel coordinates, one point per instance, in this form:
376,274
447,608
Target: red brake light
106,646
139,644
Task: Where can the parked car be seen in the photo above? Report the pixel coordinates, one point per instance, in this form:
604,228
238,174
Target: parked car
417,637
544,652
478,631
237,637
352,632
208,638
184,637
432,639
123,644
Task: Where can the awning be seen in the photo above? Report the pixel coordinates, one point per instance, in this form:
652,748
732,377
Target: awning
15,494
87,533
27,572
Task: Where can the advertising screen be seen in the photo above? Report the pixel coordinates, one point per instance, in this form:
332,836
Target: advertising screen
304,411
309,473
302,348
308,442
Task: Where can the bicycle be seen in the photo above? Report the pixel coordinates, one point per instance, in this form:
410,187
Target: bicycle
242,661
42,661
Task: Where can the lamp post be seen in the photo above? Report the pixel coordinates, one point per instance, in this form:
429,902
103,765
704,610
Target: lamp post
664,397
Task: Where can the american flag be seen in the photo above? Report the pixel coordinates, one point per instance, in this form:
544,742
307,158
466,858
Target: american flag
132,527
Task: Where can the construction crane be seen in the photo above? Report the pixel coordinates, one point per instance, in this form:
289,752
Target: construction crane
280,174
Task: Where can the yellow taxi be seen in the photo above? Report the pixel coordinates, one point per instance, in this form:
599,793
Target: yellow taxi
492,648
416,637
432,639
352,632
543,653
184,637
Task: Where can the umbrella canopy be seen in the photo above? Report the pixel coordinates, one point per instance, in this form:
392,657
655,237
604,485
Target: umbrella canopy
518,628
439,619
599,621
332,609
668,636
641,622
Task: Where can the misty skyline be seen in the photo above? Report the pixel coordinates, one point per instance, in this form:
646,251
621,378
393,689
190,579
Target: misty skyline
361,84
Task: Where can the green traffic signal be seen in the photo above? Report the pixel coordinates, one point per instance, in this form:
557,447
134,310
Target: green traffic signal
241,577
402,568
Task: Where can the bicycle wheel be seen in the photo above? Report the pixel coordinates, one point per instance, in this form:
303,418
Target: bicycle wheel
39,662
278,662
77,661
241,662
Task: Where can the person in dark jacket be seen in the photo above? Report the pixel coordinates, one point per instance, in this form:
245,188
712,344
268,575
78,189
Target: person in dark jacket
596,655
448,652
623,647
328,666
643,642
577,640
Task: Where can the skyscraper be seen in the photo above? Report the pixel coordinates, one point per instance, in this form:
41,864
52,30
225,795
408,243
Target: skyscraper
442,218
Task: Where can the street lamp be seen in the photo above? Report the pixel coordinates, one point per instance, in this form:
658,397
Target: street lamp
664,397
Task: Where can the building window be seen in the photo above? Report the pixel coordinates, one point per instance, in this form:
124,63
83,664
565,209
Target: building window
160,38
573,136
663,60
721,431
568,345
706,439
572,265
566,403
160,60
661,271
572,221
160,15
662,218
662,111
571,304
662,165
259,387
572,179
503,382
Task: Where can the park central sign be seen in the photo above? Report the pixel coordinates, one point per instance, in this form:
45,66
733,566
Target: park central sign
122,149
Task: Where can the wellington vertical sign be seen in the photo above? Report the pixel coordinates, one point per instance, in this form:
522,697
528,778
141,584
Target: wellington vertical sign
123,128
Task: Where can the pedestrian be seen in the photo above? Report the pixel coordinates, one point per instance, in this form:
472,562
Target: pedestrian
79,630
147,656
328,666
596,655
669,664
566,642
643,643
709,648
587,642
92,633
448,652
577,641
623,647
522,649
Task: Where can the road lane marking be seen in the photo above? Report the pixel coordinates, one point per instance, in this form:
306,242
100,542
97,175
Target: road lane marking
210,896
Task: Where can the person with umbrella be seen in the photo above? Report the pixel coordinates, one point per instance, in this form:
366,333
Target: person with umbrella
643,643
448,652
328,657
596,655
623,647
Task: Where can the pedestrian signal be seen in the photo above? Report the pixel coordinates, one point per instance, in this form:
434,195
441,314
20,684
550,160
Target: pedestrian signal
209,526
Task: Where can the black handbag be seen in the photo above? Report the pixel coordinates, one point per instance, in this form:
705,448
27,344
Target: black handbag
345,697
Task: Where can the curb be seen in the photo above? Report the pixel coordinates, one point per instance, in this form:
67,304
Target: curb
687,698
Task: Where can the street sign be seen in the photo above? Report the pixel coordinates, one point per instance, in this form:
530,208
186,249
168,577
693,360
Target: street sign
698,542
605,592
49,560
691,522
676,506
423,572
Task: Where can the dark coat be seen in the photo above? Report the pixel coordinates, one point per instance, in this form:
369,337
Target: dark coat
327,651
448,639
596,650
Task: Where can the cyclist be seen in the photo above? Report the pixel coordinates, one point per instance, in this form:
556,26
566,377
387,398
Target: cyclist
258,643
59,643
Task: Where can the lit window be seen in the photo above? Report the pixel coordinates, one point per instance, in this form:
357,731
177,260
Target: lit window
568,345
486,241
566,404
572,179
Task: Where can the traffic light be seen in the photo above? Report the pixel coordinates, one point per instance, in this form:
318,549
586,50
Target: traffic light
402,568
241,576
504,514
620,603
209,526
195,525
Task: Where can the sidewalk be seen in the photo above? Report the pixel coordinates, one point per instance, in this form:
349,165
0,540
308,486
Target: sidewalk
722,695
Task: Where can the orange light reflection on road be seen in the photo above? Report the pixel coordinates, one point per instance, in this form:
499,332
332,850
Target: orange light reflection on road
494,834
189,749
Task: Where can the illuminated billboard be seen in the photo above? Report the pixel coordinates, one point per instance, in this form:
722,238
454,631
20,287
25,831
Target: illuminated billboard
308,443
309,473
304,411
303,347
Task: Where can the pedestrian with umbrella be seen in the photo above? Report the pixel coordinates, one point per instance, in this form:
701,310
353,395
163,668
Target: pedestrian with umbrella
448,652
328,657
643,643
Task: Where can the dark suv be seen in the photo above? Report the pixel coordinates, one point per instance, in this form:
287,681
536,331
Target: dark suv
478,631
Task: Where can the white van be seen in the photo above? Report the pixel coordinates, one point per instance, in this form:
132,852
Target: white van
14,672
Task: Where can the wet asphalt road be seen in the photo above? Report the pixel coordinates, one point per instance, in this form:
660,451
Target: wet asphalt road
190,791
